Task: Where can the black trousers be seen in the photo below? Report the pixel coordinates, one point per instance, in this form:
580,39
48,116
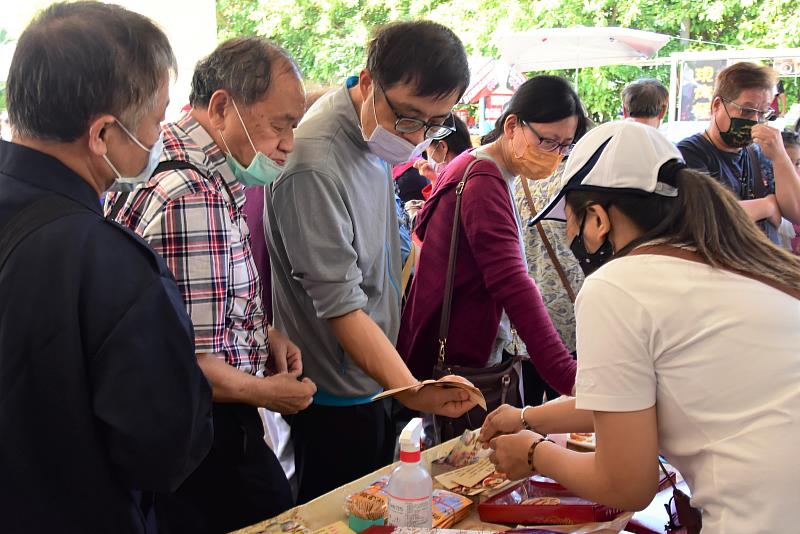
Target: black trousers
239,483
336,445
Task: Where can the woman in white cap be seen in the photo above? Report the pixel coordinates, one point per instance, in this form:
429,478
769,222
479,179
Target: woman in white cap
689,343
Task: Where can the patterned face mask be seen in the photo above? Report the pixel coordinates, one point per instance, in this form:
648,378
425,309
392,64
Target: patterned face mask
739,134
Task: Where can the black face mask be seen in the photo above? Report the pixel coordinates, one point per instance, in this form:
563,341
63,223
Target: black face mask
590,261
739,133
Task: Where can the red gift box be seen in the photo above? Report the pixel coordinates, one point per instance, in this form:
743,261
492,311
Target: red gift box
534,503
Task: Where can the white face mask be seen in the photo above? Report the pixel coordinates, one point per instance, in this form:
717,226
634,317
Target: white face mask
436,166
127,184
392,148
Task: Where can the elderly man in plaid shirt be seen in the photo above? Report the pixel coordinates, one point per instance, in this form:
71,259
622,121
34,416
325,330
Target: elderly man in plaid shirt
246,99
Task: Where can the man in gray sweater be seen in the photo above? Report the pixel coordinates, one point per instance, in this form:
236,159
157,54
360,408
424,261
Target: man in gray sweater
334,244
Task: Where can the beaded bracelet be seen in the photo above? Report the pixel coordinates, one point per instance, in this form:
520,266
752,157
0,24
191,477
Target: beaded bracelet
533,447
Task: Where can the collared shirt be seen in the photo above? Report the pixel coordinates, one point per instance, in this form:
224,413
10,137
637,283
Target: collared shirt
101,397
197,223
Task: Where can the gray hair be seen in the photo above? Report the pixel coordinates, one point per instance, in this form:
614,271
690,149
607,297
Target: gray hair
79,60
644,98
243,67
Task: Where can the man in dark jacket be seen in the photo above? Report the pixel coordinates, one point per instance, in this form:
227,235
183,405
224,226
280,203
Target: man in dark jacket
102,402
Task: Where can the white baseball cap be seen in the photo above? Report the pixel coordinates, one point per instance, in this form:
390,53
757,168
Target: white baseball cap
622,156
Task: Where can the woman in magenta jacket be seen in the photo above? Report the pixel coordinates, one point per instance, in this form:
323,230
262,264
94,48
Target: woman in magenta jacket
492,289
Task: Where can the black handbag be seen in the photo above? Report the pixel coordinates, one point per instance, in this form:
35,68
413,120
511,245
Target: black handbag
498,383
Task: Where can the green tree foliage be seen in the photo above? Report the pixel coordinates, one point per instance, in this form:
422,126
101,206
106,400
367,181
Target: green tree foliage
328,37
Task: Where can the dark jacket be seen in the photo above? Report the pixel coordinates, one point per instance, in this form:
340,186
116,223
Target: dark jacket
101,398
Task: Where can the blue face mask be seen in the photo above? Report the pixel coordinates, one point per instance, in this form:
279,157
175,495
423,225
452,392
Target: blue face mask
126,184
261,171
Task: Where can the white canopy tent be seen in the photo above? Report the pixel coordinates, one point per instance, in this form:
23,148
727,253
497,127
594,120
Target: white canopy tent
578,47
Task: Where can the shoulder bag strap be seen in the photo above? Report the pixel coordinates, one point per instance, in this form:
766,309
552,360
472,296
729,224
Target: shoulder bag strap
35,216
444,325
547,244
408,267
675,252
164,166
760,186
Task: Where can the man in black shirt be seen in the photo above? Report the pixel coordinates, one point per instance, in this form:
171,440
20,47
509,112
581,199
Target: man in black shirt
742,152
102,402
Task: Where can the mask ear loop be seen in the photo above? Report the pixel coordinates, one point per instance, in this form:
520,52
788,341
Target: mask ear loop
119,176
105,156
243,126
730,119
513,148
606,207
374,110
224,143
434,152
132,137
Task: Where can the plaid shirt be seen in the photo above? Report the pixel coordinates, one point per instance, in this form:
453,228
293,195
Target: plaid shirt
197,224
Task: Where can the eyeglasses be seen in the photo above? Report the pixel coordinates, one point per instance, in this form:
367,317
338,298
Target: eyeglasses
433,130
761,115
550,145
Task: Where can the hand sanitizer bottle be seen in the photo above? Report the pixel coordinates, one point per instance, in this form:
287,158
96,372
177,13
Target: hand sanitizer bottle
410,486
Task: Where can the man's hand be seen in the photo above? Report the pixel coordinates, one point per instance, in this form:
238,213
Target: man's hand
770,141
449,402
504,420
284,355
510,454
285,394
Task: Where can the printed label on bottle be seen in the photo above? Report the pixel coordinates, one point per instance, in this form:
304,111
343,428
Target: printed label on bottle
416,513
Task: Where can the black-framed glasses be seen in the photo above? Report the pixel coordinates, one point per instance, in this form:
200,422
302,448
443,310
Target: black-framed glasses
409,125
550,145
760,115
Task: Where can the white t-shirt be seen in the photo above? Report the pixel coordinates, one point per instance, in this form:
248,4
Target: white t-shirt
719,356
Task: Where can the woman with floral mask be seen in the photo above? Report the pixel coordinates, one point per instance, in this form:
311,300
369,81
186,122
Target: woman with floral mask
492,290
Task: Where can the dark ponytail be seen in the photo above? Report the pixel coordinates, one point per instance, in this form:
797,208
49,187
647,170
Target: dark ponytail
705,216
542,99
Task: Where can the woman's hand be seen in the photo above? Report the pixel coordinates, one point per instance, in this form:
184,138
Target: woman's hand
504,420
425,170
510,454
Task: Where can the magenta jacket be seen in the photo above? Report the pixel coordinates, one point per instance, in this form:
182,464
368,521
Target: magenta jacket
490,276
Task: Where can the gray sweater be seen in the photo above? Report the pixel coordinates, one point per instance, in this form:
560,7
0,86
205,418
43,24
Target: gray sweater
334,244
